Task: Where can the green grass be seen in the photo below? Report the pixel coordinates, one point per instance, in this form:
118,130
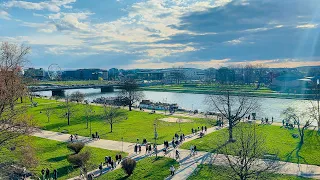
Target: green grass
210,172
278,140
53,155
138,125
147,168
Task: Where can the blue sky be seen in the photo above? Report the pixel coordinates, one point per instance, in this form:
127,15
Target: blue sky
164,33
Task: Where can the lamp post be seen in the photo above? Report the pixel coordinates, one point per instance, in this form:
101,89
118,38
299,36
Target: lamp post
122,144
155,139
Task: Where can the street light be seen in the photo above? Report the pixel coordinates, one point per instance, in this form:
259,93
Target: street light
155,139
122,144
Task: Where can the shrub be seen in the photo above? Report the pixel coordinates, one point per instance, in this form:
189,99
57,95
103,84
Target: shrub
128,165
79,160
75,147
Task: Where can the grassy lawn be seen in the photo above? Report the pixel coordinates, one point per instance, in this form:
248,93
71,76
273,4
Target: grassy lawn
53,155
146,168
138,125
277,140
220,172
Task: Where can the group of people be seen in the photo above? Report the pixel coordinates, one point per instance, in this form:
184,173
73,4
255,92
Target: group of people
95,136
193,150
73,137
148,148
203,130
46,174
266,121
137,148
288,124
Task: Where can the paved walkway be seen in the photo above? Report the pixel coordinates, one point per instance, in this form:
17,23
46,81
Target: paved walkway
188,163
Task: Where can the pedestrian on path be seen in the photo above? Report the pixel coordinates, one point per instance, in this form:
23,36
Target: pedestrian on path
195,149
120,158
100,168
55,174
42,172
172,169
191,150
201,128
139,149
205,128
147,145
47,173
177,154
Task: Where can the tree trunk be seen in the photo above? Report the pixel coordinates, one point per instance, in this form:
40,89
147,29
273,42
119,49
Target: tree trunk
48,119
87,123
111,127
231,134
130,107
68,118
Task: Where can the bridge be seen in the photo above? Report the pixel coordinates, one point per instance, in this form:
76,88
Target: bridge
59,90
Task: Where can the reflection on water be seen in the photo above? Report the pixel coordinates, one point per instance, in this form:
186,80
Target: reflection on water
270,107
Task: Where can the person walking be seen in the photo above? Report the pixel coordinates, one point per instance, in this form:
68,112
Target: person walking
42,172
191,150
71,138
201,128
55,174
147,148
139,149
47,173
172,169
177,154
195,149
100,168
205,128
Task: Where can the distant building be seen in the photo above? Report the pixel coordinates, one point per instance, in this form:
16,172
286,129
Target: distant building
34,73
84,74
290,83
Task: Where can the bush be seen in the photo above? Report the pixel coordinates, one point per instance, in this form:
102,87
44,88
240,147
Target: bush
128,165
75,147
80,159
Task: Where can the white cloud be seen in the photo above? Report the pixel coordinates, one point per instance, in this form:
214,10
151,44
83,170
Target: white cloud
307,26
41,27
53,5
4,15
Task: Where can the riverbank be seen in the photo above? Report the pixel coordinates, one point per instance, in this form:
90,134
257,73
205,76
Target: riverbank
233,93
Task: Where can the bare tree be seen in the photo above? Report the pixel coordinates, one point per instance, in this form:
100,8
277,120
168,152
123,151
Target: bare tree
13,120
232,108
88,111
130,93
48,111
69,109
113,115
77,97
315,106
301,119
245,156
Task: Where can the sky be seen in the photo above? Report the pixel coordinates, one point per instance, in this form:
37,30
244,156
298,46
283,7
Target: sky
132,34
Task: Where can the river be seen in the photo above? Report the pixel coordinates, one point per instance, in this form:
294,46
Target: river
270,107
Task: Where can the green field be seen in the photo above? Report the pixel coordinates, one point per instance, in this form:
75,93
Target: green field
211,172
53,155
138,125
278,140
147,168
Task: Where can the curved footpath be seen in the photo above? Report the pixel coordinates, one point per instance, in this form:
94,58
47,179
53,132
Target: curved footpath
188,164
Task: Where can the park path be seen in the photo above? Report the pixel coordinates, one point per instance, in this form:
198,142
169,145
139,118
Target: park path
188,163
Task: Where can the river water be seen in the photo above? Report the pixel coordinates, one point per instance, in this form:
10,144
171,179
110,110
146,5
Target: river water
270,107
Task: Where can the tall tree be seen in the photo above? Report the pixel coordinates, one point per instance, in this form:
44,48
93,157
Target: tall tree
68,108
314,110
301,119
13,121
232,108
113,115
130,93
244,157
88,111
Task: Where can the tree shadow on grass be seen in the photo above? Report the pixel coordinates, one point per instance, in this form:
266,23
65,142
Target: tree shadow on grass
295,153
58,158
